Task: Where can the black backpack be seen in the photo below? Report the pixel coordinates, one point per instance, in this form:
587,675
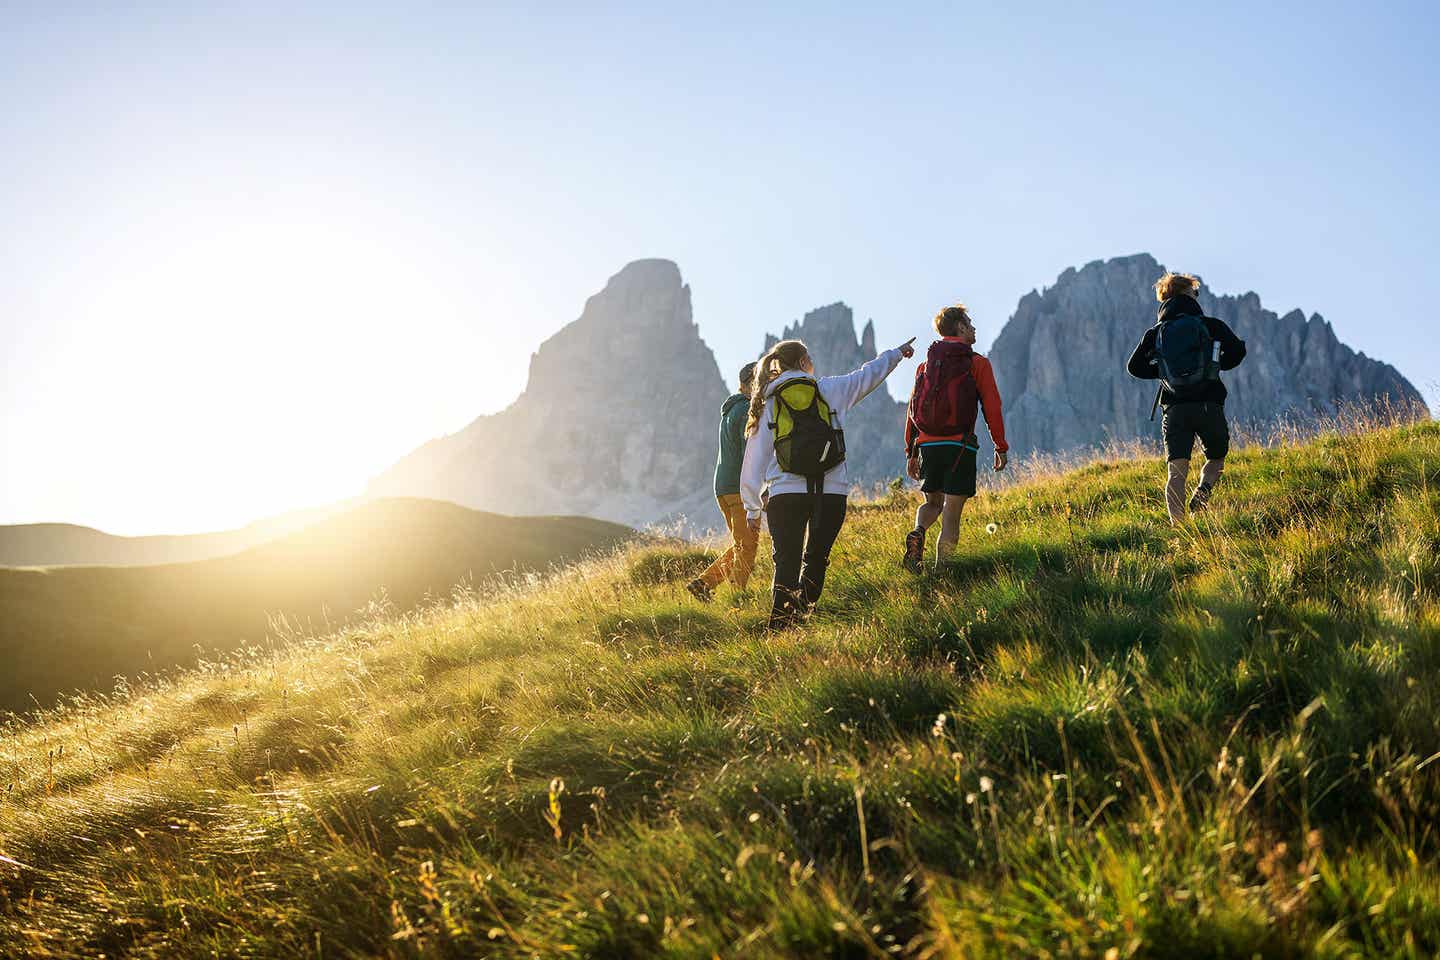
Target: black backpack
807,442
1185,352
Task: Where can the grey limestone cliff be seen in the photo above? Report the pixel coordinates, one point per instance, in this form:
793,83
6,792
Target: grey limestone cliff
599,430
1060,361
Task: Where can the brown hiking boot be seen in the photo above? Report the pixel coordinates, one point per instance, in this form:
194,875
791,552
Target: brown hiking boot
1200,499
700,590
914,551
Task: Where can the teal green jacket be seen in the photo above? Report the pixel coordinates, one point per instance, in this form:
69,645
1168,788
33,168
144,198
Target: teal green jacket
732,444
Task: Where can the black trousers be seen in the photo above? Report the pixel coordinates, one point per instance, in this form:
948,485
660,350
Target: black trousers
802,539
1183,422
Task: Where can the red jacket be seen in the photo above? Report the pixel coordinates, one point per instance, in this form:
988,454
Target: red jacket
989,406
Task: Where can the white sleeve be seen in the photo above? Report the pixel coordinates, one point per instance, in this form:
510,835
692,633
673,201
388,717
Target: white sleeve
843,392
759,451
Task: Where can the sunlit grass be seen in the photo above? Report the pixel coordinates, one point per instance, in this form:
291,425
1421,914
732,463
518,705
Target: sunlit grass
1092,736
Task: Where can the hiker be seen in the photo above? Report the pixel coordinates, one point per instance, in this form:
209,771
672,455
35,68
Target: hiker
794,467
940,440
739,558
1186,351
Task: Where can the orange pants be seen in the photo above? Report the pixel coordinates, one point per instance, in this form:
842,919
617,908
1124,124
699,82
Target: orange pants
739,559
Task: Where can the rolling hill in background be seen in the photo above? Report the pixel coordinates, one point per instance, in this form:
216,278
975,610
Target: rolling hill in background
68,544
74,628
1092,735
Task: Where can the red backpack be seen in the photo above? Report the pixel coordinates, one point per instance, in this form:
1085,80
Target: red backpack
945,400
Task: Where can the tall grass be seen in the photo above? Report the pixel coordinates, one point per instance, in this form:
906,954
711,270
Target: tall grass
1093,735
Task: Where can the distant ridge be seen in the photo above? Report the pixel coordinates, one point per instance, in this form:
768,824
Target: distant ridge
68,544
73,628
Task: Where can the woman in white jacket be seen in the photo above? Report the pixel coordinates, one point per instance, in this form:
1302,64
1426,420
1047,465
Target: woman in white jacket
801,532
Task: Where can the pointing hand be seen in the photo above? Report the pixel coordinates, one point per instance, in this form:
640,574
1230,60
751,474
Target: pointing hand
906,350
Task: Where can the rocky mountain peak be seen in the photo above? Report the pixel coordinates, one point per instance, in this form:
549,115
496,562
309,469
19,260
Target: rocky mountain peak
643,291
588,435
829,333
643,311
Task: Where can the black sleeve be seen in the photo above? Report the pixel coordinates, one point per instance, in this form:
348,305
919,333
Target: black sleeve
1232,348
1142,362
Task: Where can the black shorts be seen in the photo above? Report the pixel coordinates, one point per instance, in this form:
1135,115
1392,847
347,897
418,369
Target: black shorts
1183,422
948,467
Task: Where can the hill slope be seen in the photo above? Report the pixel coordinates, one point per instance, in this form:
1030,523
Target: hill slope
1094,736
69,544
80,627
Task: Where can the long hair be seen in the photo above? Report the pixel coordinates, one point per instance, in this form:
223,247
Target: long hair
785,355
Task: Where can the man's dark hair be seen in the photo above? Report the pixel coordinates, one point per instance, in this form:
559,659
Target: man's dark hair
950,321
747,373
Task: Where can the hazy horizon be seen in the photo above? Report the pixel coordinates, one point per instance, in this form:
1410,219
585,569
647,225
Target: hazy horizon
251,259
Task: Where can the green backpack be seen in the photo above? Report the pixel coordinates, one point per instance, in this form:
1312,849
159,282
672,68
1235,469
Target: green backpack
807,440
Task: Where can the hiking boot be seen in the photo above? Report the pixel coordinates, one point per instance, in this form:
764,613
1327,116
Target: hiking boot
914,551
1200,499
700,590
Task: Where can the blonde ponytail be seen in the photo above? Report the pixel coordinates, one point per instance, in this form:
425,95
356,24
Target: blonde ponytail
785,355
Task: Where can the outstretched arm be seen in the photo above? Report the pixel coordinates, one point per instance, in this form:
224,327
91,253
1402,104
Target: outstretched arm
843,392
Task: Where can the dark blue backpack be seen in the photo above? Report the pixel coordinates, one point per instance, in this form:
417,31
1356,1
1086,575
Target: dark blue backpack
1184,352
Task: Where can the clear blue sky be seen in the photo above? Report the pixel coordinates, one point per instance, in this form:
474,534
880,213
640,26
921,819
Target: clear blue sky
249,258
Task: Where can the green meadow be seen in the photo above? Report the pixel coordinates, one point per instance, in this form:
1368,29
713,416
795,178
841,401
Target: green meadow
1093,735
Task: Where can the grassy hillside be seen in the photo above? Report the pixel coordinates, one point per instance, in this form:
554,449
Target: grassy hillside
79,627
1094,736
69,544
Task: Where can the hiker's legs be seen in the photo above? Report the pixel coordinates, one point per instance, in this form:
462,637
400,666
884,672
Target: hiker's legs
952,478
1215,441
1177,428
925,515
720,569
746,542
823,531
949,526
788,515
929,511
1179,471
1209,476
739,558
